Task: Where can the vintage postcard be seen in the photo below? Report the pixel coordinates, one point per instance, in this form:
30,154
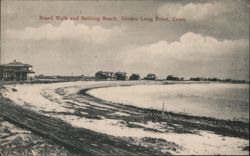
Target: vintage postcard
124,77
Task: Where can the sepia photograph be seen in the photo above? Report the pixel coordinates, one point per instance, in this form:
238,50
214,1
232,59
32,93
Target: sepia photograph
124,77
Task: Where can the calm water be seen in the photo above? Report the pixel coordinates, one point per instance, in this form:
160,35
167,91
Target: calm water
222,101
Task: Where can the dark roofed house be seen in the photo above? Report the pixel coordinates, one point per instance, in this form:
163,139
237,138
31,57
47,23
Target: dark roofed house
104,75
15,71
134,77
120,76
150,77
173,78
195,79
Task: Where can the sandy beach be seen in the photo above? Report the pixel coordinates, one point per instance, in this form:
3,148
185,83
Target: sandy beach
137,128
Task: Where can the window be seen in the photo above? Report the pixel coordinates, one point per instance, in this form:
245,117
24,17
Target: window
5,74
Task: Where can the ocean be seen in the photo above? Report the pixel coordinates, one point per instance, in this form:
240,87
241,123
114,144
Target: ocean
216,100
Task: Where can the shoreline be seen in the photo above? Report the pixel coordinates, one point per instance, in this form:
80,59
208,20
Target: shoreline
164,81
220,126
88,92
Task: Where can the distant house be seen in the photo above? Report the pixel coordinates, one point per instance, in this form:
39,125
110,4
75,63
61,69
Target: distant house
104,75
15,71
134,77
203,79
213,79
120,76
173,78
150,77
195,79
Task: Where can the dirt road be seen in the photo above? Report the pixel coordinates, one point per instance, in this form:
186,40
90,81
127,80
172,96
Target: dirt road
77,140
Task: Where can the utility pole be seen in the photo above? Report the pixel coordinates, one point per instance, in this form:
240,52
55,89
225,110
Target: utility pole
163,109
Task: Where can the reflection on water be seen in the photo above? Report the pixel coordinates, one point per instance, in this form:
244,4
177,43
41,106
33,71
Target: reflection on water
223,101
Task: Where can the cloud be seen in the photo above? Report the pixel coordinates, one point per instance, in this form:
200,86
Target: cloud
193,11
193,52
68,30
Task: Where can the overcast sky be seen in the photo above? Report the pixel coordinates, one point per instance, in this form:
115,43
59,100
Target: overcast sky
210,40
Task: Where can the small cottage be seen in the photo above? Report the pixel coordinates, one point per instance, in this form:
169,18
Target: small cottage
104,75
120,76
134,77
150,77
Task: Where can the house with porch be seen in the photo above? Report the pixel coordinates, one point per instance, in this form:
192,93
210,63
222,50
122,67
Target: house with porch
15,71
